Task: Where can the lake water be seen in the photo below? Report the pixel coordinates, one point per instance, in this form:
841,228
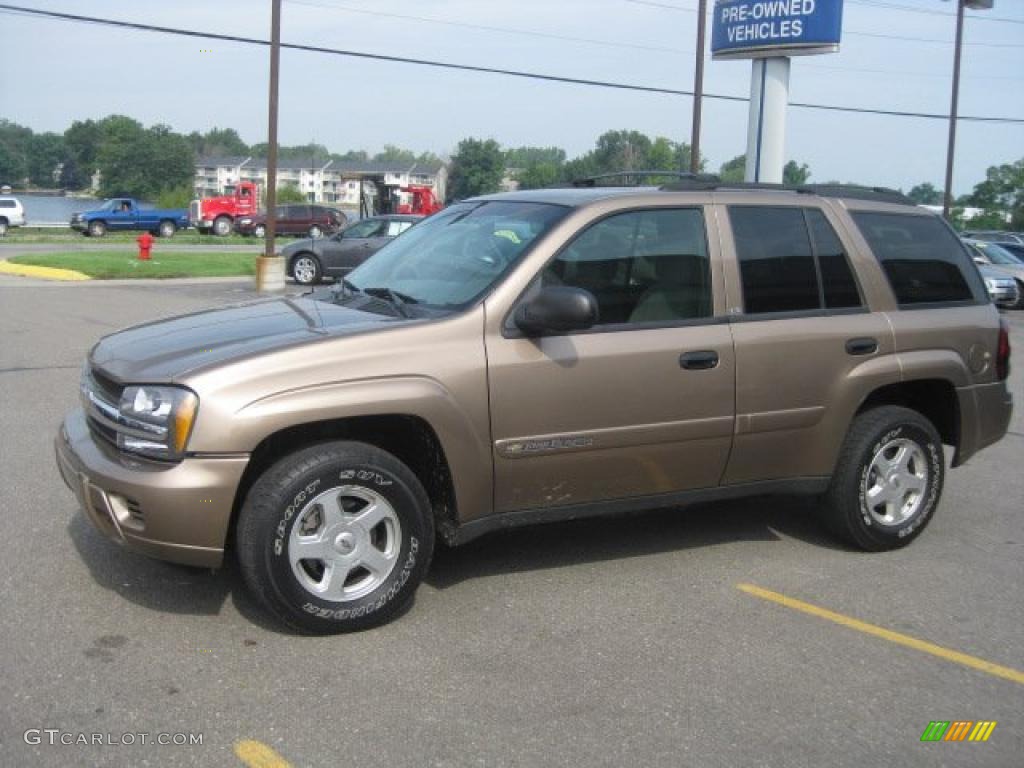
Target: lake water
44,209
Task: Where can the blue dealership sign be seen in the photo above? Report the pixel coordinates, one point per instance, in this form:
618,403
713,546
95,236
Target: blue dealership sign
745,29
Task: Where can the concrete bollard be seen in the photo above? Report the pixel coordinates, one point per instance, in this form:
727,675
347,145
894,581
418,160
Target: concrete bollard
269,274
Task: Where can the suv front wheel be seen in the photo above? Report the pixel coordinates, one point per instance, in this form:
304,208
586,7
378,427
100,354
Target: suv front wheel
888,479
335,537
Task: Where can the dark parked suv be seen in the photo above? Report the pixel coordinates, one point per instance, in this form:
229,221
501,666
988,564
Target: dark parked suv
311,220
308,261
548,355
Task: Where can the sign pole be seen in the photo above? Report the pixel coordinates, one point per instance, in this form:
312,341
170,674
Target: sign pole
698,89
766,127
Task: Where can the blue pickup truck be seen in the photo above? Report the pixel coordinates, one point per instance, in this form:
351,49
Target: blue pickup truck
123,213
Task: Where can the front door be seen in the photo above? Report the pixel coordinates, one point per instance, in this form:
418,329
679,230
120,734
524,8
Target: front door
640,405
346,251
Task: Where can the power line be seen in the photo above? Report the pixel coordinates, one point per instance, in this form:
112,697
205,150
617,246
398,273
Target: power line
868,3
485,27
76,18
609,43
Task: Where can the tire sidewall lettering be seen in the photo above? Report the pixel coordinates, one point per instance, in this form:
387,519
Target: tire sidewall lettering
393,588
935,462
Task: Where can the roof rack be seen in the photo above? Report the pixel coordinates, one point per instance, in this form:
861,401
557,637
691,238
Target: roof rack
625,177
849,191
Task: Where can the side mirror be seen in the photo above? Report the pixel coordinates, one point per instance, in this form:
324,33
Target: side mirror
557,309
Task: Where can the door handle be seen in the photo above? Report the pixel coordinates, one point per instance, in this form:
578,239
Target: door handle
862,346
701,360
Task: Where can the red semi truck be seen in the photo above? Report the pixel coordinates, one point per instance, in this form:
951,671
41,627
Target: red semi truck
218,214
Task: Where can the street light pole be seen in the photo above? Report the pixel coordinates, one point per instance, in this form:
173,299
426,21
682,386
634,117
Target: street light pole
269,267
698,89
947,197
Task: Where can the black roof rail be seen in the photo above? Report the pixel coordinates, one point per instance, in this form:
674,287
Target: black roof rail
625,177
849,191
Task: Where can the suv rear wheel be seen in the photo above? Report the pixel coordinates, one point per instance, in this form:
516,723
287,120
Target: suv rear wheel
335,537
888,479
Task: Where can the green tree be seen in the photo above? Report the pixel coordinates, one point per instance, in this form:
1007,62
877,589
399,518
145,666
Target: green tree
733,170
527,157
15,141
290,193
178,197
46,152
925,194
795,173
82,142
142,162
539,176
1002,193
217,142
393,154
478,167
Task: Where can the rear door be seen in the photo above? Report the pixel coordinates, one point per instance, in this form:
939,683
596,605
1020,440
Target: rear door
640,405
808,348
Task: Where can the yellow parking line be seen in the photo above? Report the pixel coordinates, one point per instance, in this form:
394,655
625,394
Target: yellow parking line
887,634
256,754
46,273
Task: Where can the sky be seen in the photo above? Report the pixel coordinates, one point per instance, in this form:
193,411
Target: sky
895,54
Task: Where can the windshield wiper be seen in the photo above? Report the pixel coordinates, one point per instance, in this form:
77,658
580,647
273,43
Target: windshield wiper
396,299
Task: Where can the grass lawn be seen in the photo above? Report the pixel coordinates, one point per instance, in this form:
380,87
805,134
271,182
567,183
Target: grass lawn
19,235
110,265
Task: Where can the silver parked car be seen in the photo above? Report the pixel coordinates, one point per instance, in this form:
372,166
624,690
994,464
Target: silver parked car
309,261
1001,263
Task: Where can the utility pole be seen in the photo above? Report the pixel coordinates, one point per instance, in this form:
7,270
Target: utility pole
698,89
270,267
979,5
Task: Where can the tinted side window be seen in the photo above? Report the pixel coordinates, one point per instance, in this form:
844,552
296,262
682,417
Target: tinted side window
642,266
776,262
837,279
6,203
923,260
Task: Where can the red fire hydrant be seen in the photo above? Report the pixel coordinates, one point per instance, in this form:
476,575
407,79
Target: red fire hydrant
145,241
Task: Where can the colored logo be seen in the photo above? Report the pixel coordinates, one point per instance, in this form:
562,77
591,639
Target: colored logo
958,730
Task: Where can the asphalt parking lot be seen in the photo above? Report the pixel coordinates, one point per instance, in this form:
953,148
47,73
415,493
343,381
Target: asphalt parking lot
617,642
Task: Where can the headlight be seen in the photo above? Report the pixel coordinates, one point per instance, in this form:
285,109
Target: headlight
160,420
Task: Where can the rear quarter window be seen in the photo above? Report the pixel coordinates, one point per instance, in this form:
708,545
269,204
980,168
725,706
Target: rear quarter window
923,260
7,204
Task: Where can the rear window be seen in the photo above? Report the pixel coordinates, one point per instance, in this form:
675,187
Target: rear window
923,259
7,204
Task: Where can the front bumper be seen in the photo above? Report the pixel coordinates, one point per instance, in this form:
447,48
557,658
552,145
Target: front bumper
79,226
177,512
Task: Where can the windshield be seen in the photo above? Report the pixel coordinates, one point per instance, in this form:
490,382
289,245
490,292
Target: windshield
999,255
455,256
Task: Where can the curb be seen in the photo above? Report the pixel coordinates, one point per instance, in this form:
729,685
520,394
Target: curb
45,273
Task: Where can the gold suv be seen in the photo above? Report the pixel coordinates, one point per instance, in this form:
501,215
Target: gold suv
545,355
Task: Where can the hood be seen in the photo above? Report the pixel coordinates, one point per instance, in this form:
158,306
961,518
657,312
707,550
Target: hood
991,270
165,350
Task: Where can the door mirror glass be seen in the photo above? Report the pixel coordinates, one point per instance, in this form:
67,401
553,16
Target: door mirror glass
557,309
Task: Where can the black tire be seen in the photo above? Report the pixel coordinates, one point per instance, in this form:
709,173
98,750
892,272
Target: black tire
222,226
306,269
97,229
285,494
259,231
849,510
1020,295
3,227
167,228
